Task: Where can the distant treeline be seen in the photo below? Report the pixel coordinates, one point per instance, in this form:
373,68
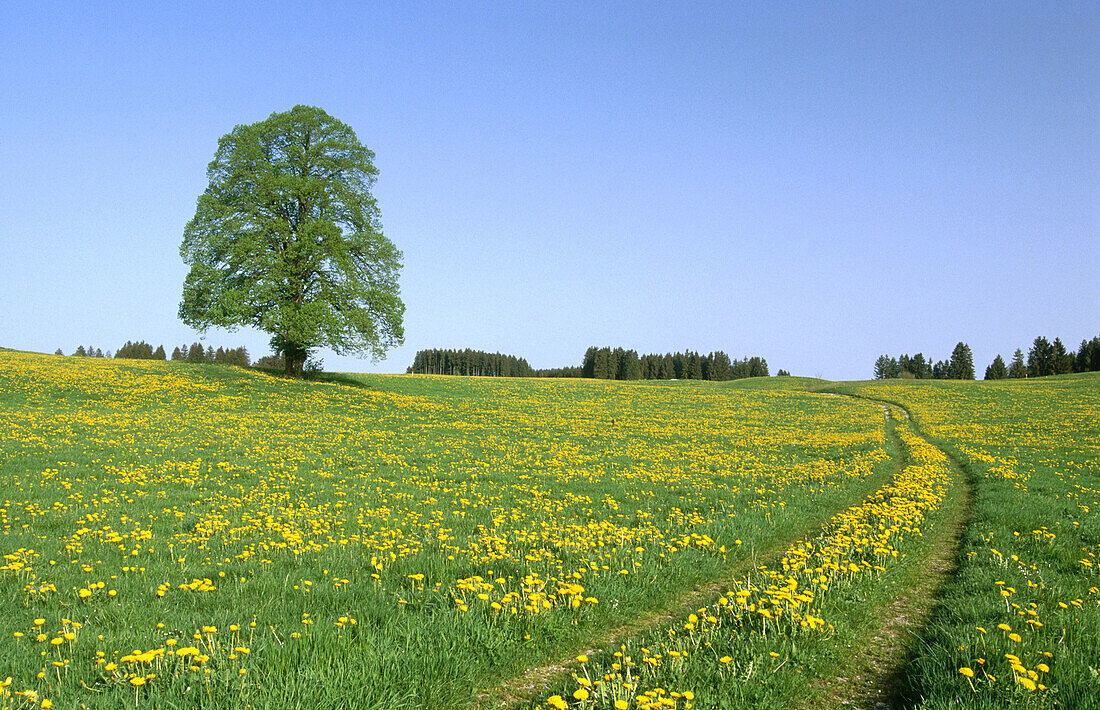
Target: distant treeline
620,364
1044,358
469,362
960,366
1047,358
598,363
221,356
195,352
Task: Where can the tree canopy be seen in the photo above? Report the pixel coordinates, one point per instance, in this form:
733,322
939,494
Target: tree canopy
287,239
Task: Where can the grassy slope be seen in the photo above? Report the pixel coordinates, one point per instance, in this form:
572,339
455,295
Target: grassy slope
725,655
1030,554
177,451
145,478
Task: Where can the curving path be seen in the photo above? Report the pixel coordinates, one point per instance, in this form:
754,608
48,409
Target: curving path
873,673
877,673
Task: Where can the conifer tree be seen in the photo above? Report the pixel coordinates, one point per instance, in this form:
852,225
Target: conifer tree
1040,359
962,363
1017,370
1062,360
996,369
196,353
882,367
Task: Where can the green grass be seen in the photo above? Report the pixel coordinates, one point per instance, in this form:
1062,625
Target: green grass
313,509
1032,451
346,528
755,646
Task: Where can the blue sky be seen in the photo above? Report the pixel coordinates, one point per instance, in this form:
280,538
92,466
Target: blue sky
817,184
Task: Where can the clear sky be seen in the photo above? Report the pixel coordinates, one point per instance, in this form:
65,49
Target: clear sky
817,184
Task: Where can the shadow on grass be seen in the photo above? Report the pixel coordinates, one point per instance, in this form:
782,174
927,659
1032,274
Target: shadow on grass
337,378
333,378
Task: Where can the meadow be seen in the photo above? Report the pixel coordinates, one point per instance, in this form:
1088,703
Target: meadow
184,536
180,535
1019,624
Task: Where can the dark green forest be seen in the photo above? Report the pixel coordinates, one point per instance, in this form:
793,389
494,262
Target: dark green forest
1043,358
475,363
620,364
960,366
142,350
598,363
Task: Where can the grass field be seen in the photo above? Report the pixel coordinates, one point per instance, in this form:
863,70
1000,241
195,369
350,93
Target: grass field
183,536
1020,622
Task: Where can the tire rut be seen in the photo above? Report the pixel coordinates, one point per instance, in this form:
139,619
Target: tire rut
879,674
520,689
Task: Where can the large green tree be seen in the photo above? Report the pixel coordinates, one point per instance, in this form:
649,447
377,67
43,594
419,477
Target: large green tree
287,238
